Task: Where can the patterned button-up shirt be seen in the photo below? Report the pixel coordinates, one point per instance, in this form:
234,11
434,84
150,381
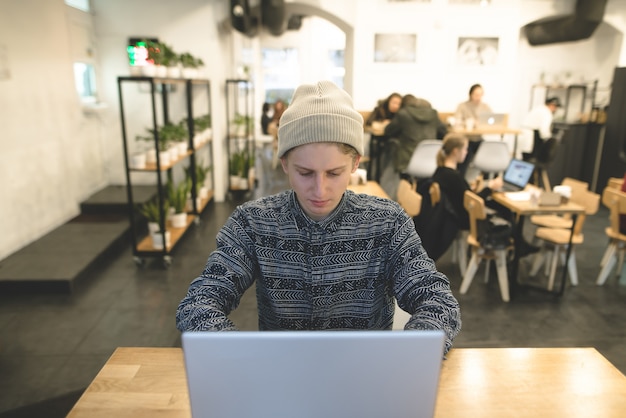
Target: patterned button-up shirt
339,273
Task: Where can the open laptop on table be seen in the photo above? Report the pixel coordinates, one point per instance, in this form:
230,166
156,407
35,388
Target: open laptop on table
492,120
286,374
517,175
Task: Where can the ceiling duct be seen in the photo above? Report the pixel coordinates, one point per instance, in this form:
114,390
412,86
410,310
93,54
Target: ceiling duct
588,15
273,16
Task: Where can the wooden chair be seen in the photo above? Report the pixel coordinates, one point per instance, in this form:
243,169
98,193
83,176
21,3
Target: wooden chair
556,240
475,207
614,199
408,198
579,189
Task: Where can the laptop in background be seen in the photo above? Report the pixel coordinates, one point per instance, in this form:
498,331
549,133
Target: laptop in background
486,120
517,175
313,374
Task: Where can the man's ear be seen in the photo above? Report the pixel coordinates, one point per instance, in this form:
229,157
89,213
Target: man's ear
355,165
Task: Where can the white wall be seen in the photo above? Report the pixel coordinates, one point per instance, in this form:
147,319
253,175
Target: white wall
54,155
51,156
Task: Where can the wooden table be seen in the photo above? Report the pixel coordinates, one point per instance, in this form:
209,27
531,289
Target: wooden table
371,188
475,382
524,208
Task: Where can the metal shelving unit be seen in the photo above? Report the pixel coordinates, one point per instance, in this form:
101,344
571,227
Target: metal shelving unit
166,89
240,134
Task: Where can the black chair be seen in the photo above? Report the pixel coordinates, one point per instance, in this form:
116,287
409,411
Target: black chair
542,155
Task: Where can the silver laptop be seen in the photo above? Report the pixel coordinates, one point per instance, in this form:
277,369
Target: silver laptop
287,374
517,175
488,119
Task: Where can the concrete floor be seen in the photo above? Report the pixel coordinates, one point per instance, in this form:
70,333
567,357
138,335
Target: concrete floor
53,345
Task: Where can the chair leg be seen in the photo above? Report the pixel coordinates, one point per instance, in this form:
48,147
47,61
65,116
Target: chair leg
572,269
538,260
462,251
503,277
470,272
608,265
553,264
545,180
607,253
487,265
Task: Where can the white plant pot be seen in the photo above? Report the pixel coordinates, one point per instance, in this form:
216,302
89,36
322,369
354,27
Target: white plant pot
173,72
183,146
136,70
179,220
173,153
190,72
164,157
151,156
234,182
207,134
157,240
197,140
149,70
203,193
138,160
243,183
161,71
208,182
153,227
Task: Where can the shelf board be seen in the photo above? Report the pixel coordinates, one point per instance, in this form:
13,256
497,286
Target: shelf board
145,245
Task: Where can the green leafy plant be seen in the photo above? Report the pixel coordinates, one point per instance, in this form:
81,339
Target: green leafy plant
177,195
234,165
201,123
201,174
151,211
189,61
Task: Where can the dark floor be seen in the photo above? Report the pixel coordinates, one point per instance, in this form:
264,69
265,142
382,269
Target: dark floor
53,345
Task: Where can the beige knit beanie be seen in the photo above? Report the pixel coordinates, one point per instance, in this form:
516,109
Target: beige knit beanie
320,113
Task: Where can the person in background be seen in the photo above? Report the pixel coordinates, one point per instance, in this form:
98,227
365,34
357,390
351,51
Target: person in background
415,121
266,117
452,183
322,256
538,126
385,110
467,113
272,128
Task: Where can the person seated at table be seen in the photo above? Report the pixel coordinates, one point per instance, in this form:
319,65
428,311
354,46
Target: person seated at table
266,117
467,113
538,126
453,184
385,110
322,256
415,121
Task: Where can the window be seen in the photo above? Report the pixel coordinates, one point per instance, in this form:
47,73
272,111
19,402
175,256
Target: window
85,81
83,49
79,4
280,73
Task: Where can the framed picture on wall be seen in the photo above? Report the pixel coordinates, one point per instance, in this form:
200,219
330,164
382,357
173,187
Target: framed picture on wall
395,47
477,52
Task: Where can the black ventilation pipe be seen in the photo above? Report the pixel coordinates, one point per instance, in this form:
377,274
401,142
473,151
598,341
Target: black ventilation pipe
588,15
242,19
274,16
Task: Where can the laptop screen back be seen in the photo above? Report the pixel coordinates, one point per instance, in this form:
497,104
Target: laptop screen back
313,373
487,119
518,174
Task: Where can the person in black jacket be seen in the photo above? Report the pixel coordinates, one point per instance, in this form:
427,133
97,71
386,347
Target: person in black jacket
451,182
415,121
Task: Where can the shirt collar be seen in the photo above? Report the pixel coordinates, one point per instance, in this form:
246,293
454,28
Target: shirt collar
331,223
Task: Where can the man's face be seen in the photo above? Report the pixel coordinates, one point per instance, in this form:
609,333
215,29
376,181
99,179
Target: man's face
319,173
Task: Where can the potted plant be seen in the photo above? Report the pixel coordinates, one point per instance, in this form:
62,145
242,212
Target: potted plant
157,56
152,212
190,65
177,196
234,167
202,129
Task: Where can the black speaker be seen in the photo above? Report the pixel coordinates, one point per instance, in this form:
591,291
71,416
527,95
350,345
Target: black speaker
242,19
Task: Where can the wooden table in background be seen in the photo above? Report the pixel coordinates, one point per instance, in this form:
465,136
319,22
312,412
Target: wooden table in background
525,208
475,382
371,188
492,130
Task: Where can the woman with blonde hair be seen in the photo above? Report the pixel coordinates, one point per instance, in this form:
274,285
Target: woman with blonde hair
452,183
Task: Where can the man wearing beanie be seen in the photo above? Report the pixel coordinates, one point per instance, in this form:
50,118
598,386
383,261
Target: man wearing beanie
322,256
